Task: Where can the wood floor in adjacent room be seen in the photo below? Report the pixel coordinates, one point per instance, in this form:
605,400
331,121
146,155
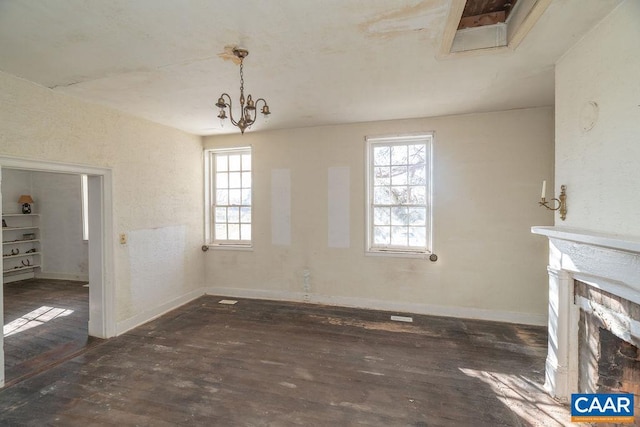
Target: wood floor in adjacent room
261,363
44,321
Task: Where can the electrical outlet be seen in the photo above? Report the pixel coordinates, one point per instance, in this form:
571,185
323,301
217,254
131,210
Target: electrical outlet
123,239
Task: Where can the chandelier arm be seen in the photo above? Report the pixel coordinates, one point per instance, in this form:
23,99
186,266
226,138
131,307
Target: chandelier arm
228,97
229,105
258,100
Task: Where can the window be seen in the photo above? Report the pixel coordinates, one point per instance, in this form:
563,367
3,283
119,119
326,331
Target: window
399,194
229,214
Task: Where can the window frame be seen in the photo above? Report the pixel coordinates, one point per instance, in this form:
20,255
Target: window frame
395,250
210,199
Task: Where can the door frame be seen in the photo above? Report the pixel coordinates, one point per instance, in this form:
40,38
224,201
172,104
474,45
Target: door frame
101,261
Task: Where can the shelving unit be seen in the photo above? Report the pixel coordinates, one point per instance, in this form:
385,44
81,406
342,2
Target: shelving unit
17,262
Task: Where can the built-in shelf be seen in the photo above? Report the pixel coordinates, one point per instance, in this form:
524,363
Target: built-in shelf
17,242
20,255
19,226
22,268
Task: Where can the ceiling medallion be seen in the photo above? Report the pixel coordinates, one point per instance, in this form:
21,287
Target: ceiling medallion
247,112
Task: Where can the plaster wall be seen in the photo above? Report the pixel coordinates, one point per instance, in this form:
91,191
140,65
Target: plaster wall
57,198
157,183
598,148
488,170
64,253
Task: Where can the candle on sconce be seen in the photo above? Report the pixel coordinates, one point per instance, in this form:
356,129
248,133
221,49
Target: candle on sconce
544,190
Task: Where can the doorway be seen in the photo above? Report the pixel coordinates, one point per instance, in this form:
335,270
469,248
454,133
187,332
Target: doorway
101,322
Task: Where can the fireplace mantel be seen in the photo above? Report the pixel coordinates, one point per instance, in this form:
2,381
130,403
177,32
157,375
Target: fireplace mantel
606,261
611,241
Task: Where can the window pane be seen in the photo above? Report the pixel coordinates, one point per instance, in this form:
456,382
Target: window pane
381,155
418,195
222,197
246,179
234,197
399,216
234,180
221,232
382,216
418,236
246,162
233,215
417,216
399,195
417,175
381,196
221,162
221,215
417,154
399,175
399,155
222,180
245,215
234,232
381,235
234,162
245,231
381,176
246,197
399,236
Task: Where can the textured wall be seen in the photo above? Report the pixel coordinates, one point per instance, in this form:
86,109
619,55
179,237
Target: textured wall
598,148
157,175
58,199
488,170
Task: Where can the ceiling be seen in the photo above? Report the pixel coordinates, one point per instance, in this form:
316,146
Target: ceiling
316,62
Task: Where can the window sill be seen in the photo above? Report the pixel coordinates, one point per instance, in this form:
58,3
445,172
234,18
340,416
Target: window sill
398,254
216,247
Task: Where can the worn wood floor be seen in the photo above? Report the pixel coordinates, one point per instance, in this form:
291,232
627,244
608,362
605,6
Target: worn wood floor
44,321
262,363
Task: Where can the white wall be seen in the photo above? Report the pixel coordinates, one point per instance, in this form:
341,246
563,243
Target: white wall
14,184
157,190
488,170
59,203
57,198
600,166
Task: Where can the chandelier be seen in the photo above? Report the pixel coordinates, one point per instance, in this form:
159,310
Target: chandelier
247,112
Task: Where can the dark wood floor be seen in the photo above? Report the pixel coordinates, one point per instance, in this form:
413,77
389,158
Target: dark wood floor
44,321
269,363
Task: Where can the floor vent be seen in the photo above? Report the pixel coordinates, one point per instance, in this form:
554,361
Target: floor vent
402,319
227,301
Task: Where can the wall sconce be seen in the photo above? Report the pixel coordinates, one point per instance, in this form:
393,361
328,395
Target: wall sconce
562,201
26,201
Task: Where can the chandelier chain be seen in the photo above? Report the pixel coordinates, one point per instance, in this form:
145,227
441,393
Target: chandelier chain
241,81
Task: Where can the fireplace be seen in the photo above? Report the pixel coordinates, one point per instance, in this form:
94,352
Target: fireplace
594,313
608,354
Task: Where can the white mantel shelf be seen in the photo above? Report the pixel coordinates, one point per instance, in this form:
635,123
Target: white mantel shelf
612,241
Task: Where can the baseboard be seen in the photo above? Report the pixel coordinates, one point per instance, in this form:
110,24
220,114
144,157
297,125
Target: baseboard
17,277
402,307
148,315
79,277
